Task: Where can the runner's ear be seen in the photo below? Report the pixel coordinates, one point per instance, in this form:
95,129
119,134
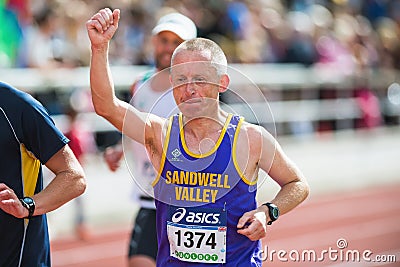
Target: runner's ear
224,83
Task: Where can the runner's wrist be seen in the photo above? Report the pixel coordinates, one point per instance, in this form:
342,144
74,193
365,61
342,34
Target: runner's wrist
265,210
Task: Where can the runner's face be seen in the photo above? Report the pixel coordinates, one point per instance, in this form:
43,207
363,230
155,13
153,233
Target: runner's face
196,84
164,45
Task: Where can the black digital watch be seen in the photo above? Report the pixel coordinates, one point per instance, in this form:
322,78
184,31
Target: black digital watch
273,212
29,204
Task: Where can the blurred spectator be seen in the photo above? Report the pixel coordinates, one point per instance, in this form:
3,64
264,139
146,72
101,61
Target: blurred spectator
42,47
370,109
337,39
80,144
300,45
374,9
251,38
298,31
10,35
21,9
128,48
389,35
75,49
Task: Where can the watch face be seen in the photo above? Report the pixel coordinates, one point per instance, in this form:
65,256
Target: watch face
28,200
275,213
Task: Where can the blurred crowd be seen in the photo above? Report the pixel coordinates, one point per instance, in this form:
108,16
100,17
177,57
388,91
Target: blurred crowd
348,34
338,37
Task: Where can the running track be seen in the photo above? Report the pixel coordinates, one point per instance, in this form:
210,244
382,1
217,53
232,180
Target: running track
366,219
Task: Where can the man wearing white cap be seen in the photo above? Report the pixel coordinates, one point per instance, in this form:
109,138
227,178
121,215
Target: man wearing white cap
150,95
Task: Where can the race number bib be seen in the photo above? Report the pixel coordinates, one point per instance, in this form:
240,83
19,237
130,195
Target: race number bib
197,234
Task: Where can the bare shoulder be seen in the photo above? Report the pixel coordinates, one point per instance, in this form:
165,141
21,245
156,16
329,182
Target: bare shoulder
248,150
250,129
254,135
249,140
260,144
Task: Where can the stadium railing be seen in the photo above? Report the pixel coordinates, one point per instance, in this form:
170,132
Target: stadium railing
298,99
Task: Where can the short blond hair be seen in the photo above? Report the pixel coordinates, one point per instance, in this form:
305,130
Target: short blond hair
216,55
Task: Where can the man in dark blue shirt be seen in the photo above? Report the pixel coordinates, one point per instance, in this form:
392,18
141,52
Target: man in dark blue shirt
28,139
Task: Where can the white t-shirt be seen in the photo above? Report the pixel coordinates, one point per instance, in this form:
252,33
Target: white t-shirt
161,104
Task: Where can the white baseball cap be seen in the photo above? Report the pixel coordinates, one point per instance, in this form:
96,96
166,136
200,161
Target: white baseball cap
178,24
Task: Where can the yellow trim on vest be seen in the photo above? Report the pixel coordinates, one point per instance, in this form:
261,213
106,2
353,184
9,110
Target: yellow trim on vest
164,152
234,155
182,134
30,167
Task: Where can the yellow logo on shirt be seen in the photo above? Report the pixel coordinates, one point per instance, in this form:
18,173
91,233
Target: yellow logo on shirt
202,179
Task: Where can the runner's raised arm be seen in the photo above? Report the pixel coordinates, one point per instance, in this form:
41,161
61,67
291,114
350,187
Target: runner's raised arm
101,28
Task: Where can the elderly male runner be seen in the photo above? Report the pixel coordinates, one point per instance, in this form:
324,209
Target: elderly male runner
207,160
151,93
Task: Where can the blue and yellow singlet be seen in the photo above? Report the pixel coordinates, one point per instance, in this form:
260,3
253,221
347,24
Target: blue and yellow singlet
199,200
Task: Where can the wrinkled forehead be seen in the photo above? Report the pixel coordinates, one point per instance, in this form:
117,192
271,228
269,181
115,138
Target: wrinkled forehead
186,62
183,56
193,68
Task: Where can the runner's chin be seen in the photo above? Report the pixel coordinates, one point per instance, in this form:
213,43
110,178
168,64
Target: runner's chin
192,108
